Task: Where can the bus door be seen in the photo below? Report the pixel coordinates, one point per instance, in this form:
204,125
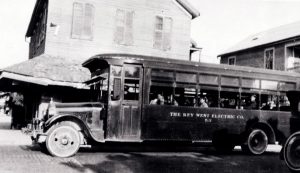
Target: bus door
129,118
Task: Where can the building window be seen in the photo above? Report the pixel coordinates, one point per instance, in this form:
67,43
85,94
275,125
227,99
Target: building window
124,27
269,58
293,56
83,17
163,33
231,60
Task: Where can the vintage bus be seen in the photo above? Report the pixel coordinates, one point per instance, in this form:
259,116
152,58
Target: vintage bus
151,99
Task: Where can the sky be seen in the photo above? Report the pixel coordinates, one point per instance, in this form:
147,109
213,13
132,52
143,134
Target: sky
222,24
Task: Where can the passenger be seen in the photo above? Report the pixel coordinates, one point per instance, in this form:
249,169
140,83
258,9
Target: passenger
172,101
187,102
203,104
270,105
195,102
158,101
252,104
286,101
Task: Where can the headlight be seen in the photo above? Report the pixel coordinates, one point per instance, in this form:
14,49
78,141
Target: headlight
51,109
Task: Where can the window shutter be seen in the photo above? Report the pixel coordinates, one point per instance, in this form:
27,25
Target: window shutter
44,24
88,22
77,20
167,26
120,29
158,33
129,28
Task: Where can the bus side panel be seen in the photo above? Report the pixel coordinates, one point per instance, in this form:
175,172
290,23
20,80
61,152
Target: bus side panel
192,124
279,121
200,124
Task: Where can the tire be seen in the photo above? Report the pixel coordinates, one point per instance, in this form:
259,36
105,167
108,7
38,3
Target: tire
257,142
291,152
63,140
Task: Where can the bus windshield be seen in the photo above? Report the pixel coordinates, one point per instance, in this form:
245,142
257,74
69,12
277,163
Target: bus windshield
99,87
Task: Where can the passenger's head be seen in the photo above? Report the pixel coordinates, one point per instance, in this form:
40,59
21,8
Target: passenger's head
253,98
160,99
202,100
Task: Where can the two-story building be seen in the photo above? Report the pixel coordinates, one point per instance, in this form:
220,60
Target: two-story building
63,34
276,49
78,29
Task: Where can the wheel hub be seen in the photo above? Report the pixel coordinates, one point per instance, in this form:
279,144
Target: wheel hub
64,141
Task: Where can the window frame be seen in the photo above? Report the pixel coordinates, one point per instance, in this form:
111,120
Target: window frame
232,57
82,22
163,43
273,58
126,40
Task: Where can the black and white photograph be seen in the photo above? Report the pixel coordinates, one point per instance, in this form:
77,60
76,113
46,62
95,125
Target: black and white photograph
149,86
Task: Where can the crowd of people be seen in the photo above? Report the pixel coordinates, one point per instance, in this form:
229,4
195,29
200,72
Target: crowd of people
160,100
250,103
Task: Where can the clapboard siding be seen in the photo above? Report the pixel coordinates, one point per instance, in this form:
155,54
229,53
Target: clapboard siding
61,12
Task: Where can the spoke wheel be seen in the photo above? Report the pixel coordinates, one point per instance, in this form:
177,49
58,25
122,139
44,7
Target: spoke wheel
63,141
292,152
257,142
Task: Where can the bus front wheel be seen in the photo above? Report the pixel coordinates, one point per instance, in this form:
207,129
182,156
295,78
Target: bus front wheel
291,152
63,140
257,142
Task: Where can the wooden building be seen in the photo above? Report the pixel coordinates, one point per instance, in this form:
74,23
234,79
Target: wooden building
81,29
275,49
63,34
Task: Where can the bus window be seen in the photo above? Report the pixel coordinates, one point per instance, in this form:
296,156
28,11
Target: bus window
116,89
186,78
210,97
229,99
116,72
162,93
208,79
99,90
286,86
229,81
250,83
249,101
269,102
284,103
131,89
162,75
186,96
269,85
132,72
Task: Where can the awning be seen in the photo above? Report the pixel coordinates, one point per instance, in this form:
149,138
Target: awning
48,70
41,81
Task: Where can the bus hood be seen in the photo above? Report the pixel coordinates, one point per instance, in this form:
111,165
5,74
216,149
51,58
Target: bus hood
73,108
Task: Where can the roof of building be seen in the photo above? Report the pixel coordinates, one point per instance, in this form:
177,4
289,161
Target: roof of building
273,35
188,7
49,70
38,7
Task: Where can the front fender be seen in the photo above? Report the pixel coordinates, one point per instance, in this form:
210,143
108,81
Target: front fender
95,135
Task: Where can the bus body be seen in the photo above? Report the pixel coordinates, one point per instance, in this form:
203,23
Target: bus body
244,106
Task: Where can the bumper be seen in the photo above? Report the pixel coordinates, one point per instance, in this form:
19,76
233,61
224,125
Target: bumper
36,133
38,137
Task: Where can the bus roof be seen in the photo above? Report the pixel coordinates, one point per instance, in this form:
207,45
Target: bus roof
181,65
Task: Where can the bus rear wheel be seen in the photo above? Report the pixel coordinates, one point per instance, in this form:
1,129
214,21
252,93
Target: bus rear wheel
257,142
63,140
291,152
